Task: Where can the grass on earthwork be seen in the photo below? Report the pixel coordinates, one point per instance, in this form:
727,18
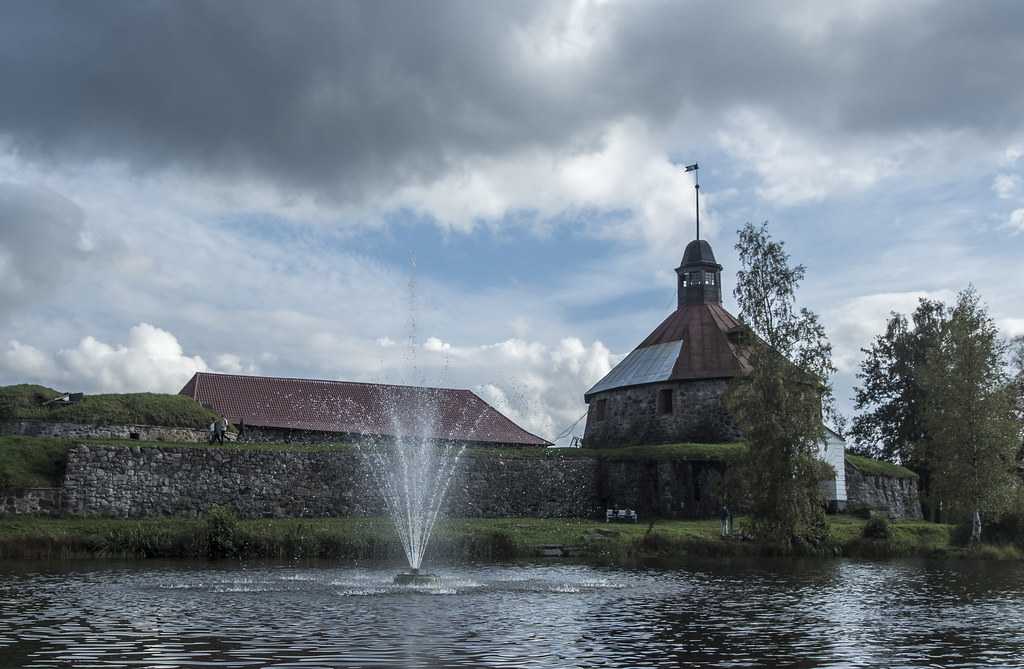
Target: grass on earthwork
682,451
874,467
26,402
32,462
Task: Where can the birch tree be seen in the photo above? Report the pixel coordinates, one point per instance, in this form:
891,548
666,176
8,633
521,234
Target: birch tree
972,440
779,405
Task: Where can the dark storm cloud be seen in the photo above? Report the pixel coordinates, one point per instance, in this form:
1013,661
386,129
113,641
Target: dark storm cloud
343,99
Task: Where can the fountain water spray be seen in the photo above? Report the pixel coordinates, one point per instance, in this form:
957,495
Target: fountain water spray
413,475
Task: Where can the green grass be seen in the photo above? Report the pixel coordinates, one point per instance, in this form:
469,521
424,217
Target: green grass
32,462
26,402
454,541
681,451
879,467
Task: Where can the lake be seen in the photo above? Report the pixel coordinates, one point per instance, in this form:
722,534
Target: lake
727,613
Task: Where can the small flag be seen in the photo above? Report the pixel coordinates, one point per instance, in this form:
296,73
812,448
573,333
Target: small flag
690,168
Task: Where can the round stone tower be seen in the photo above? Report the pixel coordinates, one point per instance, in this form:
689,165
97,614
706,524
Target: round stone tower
669,388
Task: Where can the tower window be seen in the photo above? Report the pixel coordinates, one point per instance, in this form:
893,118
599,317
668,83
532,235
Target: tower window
600,409
665,401
709,279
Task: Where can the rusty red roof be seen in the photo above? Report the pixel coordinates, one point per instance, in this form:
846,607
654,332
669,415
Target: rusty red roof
712,342
356,408
696,341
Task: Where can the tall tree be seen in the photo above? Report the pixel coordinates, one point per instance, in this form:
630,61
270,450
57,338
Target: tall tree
1016,349
890,399
779,405
972,433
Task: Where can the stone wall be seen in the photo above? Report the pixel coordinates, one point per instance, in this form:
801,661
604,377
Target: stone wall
665,488
41,428
146,481
631,415
897,497
36,501
124,481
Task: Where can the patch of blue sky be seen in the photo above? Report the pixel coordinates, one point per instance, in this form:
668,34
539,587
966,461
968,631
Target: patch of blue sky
520,250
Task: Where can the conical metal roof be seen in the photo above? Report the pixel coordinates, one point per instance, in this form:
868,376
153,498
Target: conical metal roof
697,341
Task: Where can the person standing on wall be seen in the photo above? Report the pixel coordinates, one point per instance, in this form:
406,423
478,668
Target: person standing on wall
220,427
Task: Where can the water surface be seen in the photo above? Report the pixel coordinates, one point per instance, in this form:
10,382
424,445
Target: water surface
726,614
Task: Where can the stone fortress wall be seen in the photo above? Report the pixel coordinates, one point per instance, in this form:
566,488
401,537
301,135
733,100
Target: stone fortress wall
43,428
899,496
631,415
123,481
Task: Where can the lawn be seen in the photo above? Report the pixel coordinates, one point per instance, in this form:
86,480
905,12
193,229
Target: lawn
455,540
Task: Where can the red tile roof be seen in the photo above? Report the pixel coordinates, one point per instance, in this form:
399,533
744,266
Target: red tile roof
356,408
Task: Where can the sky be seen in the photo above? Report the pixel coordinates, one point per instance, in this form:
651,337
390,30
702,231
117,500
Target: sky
483,195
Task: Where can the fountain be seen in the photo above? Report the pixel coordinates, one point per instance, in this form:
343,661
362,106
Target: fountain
413,471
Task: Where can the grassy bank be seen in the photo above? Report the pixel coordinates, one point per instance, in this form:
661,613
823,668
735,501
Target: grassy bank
27,402
873,467
456,540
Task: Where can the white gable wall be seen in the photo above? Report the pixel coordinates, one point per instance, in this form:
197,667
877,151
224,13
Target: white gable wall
833,451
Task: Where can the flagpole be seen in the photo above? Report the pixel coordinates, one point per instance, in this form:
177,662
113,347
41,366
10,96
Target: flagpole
696,191
696,198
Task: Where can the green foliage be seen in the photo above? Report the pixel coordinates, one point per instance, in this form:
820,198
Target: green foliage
26,402
972,435
779,405
877,528
890,400
32,462
873,467
223,538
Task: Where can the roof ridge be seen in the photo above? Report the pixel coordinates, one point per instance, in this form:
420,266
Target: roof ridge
334,381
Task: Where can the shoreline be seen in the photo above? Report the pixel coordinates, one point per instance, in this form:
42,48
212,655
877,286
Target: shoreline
457,540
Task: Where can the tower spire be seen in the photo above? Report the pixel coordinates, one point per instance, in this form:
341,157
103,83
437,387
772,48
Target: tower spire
696,191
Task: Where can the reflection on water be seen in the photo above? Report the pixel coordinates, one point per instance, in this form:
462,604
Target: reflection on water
737,614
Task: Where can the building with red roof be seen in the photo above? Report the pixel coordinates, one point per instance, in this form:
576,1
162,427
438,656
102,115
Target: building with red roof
315,410
670,387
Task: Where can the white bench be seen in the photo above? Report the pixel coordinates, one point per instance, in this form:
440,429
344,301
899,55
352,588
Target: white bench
620,515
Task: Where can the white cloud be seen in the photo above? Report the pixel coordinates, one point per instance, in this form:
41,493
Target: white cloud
853,324
1006,185
1017,220
1012,327
435,345
28,363
796,166
232,363
1013,153
152,361
536,385
624,169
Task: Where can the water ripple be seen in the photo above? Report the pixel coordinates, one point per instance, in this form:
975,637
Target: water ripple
737,614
